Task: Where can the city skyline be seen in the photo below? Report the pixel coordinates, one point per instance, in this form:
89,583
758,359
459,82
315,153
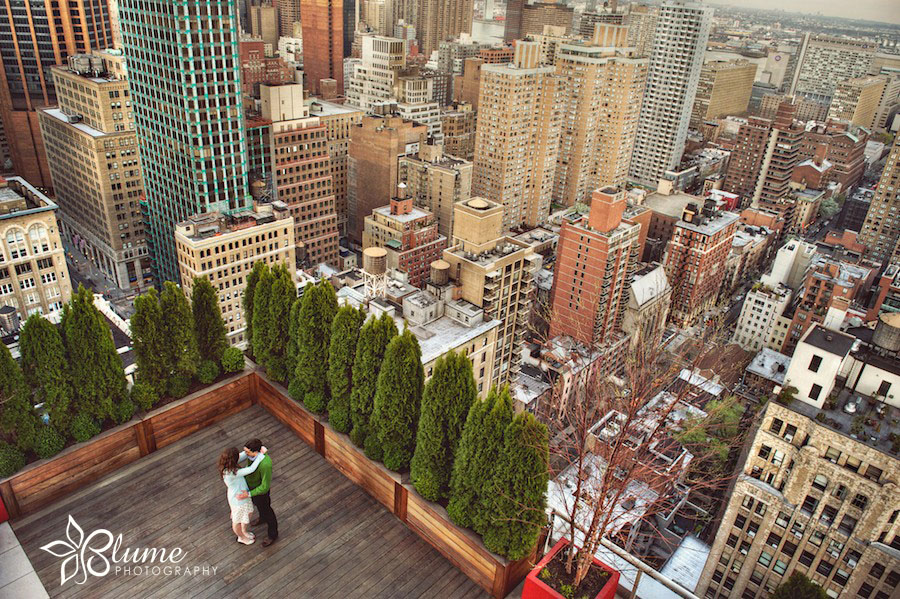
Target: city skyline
868,10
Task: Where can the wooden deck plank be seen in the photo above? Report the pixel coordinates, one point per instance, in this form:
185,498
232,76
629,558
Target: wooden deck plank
335,540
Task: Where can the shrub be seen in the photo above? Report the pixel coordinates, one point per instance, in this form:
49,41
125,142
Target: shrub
11,459
124,411
317,309
283,294
373,341
209,329
449,394
178,386
395,414
84,427
182,355
207,372
144,396
45,369
17,416
341,351
233,360
148,340
48,442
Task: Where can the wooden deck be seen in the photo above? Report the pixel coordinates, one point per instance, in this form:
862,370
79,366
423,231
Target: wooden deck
335,541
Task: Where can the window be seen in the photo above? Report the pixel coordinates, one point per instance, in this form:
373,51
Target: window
747,502
824,568
820,482
873,473
765,558
848,525
806,558
779,567
876,571
757,576
760,509
814,391
816,538
852,558
860,501
809,505
789,432
789,549
764,452
840,492
852,464
815,363
732,541
40,240
773,540
829,512
841,576
865,590
776,425
740,521
15,242
832,455
752,528
782,519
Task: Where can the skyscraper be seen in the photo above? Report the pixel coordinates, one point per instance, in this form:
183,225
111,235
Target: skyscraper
882,226
517,137
679,46
600,91
32,39
439,20
826,61
512,29
186,92
323,42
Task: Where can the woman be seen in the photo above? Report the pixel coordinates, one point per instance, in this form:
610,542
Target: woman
234,480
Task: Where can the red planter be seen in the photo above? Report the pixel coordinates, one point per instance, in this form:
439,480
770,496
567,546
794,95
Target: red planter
535,588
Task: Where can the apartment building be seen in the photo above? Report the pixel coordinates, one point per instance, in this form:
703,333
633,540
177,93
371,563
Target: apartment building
224,249
881,228
322,23
458,127
825,61
517,137
92,151
857,100
440,20
493,272
724,90
436,182
34,278
759,314
601,88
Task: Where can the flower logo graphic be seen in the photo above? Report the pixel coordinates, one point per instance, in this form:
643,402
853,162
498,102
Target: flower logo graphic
82,556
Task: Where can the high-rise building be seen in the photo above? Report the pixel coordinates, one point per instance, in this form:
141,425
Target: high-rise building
458,127
641,21
881,230
378,16
495,273
596,259
301,169
826,61
190,128
467,86
781,156
856,100
843,146
517,137
288,14
36,36
590,19
408,234
264,234
512,26
339,120
453,53
724,90
323,42
92,151
351,20
746,158
695,259
600,95
34,278
440,20
257,68
264,23
537,15
373,174
815,492
437,182
679,46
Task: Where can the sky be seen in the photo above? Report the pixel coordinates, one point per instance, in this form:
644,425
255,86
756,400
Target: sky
871,10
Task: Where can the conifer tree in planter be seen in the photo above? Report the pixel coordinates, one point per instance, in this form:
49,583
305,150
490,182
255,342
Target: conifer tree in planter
247,299
448,396
262,323
148,341
341,351
282,297
476,457
317,309
398,396
182,354
209,328
373,340
17,416
293,349
518,491
98,379
45,369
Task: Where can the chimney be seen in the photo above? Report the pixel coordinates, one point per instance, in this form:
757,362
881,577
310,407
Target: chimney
607,208
837,311
819,156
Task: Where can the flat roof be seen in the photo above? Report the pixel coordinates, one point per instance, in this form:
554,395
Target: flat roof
63,118
833,342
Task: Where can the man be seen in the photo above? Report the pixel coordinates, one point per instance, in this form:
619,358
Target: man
259,483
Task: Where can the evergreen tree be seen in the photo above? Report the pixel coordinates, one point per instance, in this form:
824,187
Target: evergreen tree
374,337
262,296
448,396
518,496
45,369
341,352
181,351
148,341
17,417
479,446
494,427
209,328
398,397
282,298
248,298
317,310
97,376
293,337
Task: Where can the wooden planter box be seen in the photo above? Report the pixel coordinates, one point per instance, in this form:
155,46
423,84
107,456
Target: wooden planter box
41,483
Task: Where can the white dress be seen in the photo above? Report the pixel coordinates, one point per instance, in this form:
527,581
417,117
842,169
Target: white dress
235,482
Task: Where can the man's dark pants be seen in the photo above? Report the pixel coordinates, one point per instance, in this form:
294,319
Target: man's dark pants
263,505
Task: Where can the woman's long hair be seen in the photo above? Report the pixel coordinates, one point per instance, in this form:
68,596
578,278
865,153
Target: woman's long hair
228,461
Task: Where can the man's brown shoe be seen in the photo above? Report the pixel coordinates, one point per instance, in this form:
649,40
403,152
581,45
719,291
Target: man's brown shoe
267,541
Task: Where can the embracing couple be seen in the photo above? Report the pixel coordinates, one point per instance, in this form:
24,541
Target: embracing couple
248,487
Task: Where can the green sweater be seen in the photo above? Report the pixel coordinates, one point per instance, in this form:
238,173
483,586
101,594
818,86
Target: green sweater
259,481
